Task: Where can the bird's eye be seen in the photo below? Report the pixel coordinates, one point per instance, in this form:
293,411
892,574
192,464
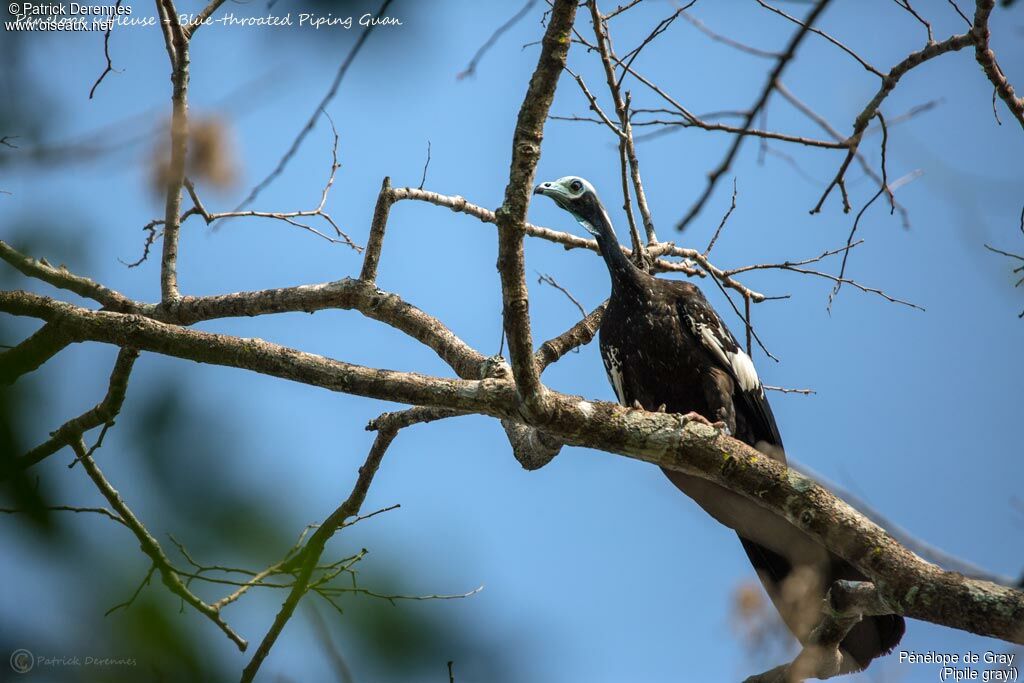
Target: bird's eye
575,186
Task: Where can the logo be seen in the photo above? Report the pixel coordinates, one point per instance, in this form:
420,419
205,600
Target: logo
22,661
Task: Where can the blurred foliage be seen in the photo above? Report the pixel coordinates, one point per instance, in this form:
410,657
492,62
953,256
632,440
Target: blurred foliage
758,626
25,400
185,457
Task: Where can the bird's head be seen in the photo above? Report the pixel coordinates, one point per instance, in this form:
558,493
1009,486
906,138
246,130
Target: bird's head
577,196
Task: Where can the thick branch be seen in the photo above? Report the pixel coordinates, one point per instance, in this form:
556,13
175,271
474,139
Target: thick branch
146,334
511,217
342,294
578,335
30,354
987,59
910,585
378,225
176,40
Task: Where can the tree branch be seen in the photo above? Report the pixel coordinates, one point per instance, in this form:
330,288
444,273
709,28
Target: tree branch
911,586
62,278
860,124
378,225
32,353
751,114
103,413
176,41
511,217
314,548
150,546
987,59
567,240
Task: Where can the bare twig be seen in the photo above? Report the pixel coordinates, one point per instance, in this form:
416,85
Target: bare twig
202,17
106,52
622,8
594,106
152,234
151,547
860,124
828,128
314,548
290,217
543,278
1018,270
64,279
103,413
762,100
608,59
742,47
131,599
807,27
956,7
635,241
905,4
321,107
853,229
725,219
105,512
426,165
470,69
659,28
787,390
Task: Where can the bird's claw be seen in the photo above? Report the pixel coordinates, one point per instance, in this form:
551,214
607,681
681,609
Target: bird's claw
697,417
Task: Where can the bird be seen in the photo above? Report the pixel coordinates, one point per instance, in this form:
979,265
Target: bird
666,349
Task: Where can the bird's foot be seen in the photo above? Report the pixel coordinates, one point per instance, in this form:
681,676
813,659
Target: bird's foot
697,417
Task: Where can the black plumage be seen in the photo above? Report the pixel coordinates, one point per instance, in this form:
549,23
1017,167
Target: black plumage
664,347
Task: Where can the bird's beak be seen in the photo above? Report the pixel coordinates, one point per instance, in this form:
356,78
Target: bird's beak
542,188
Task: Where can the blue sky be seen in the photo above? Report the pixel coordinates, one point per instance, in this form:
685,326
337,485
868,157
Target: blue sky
594,568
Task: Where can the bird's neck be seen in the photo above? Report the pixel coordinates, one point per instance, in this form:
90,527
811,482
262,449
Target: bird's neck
623,272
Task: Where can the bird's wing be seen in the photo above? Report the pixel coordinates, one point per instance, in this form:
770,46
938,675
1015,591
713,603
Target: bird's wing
704,324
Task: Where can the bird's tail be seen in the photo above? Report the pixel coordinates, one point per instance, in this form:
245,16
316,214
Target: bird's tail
797,594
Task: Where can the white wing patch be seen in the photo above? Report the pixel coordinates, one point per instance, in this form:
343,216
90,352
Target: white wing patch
614,367
744,369
718,340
